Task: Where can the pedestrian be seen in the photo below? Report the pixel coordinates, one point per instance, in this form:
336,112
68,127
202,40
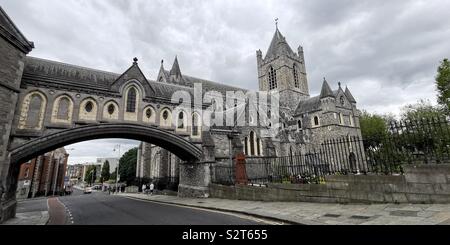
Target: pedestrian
144,187
109,190
151,188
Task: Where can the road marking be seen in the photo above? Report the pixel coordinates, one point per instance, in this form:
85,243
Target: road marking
243,216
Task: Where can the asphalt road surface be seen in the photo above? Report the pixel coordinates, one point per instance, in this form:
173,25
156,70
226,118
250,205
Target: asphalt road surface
99,208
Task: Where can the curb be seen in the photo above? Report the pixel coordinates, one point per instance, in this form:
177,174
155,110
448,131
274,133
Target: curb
290,222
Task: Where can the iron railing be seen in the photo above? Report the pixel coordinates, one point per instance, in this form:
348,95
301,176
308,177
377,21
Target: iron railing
422,141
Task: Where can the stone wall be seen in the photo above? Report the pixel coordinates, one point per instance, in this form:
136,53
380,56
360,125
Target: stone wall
419,184
11,67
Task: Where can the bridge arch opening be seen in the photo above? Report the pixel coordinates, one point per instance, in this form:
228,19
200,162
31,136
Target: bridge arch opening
176,144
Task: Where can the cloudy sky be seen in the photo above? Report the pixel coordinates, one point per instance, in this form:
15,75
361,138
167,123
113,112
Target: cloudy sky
387,52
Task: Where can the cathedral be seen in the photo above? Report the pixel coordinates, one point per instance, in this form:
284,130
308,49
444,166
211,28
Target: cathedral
305,121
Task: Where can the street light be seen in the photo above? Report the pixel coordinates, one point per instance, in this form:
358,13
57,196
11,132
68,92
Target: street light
118,164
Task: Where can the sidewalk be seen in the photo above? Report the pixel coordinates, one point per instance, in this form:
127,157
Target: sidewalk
319,213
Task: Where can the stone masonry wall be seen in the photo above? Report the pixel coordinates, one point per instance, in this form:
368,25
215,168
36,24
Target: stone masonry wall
420,184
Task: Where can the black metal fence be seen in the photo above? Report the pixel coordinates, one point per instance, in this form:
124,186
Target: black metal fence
407,142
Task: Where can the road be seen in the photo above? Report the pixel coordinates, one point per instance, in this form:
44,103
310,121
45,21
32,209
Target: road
102,209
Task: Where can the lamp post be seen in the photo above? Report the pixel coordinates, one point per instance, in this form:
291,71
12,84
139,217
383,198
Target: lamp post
117,169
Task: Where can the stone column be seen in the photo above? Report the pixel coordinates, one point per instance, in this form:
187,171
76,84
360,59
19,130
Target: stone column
195,176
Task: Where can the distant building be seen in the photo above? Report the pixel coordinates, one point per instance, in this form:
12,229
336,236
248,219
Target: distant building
113,163
43,175
75,172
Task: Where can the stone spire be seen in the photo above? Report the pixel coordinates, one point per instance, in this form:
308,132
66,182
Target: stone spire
326,90
349,95
175,71
278,45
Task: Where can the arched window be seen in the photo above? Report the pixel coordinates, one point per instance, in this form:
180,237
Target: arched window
299,124
27,172
272,78
63,109
258,147
316,121
131,100
195,123
148,113
111,109
246,146
252,143
295,71
180,120
89,106
34,111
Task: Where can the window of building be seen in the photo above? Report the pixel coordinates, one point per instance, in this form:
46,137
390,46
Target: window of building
252,143
246,146
299,124
352,122
316,121
111,109
34,110
63,109
272,78
295,71
258,147
89,106
341,118
195,124
165,115
27,172
180,120
148,113
131,100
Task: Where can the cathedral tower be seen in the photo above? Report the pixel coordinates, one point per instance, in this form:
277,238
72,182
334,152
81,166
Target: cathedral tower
283,70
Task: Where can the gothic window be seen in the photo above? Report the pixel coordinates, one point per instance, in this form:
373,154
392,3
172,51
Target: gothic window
272,78
316,121
165,115
252,143
63,109
181,120
246,146
34,111
148,113
27,172
341,118
131,100
195,124
258,147
89,106
111,109
299,124
296,83
342,100
352,122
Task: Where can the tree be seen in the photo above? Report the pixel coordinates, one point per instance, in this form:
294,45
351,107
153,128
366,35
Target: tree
90,174
127,166
373,126
105,171
422,110
443,85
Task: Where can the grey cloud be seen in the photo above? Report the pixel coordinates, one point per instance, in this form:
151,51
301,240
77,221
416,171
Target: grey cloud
387,52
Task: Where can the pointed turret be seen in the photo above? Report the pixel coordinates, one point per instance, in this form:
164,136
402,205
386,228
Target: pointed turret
175,71
326,90
162,76
278,45
349,95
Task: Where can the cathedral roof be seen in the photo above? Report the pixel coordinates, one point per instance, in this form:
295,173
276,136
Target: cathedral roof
12,34
47,70
349,95
278,46
308,105
326,90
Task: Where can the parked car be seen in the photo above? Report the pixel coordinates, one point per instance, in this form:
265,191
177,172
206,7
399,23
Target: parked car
87,190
